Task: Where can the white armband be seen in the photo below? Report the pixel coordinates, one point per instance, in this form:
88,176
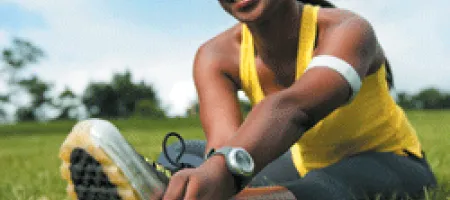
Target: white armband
340,66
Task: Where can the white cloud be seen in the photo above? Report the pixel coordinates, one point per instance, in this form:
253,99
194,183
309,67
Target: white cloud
182,95
4,37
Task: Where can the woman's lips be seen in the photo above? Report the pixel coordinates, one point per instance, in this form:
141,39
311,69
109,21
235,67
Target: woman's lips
244,4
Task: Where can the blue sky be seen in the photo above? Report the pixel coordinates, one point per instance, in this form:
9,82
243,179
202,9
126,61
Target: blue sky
14,18
156,39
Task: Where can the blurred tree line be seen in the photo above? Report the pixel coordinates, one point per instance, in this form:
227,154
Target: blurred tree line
119,98
429,98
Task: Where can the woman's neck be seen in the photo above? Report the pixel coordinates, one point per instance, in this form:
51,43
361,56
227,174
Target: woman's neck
277,38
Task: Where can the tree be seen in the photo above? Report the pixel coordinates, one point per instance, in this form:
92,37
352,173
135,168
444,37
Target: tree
38,92
119,98
445,101
22,53
14,59
130,93
3,114
37,89
101,100
429,98
25,114
68,104
405,100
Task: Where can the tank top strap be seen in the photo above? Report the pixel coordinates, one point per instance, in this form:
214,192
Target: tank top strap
307,38
247,68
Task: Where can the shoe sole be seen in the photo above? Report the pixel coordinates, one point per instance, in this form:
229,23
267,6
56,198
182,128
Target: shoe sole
98,163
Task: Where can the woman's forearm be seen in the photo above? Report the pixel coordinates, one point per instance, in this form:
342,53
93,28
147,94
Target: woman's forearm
217,140
273,126
219,128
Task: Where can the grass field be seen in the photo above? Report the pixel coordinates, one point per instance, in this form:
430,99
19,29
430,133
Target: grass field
29,166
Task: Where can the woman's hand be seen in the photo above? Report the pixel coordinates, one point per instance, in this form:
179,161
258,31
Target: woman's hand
211,180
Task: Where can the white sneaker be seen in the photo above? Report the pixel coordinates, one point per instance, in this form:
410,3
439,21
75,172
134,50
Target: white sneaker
99,164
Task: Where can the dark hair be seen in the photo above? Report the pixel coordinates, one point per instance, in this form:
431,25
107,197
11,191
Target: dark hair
327,4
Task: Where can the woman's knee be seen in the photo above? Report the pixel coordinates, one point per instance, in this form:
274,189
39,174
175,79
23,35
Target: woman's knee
281,170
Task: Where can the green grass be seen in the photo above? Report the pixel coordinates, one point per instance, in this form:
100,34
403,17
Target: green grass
29,166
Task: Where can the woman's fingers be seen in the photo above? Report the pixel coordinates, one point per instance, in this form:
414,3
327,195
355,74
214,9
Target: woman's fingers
193,190
177,186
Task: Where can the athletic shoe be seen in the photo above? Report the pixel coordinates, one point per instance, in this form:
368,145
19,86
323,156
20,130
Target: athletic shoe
99,164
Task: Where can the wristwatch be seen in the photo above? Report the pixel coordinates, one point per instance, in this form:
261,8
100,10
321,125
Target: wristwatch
239,163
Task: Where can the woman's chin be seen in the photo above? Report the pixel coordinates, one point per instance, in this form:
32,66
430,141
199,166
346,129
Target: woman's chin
248,19
249,16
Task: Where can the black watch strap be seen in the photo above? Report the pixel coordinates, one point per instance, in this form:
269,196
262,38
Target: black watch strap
209,154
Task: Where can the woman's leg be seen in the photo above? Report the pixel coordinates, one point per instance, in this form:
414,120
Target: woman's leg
366,175
360,176
279,171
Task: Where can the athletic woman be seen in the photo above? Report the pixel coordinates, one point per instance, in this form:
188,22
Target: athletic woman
323,125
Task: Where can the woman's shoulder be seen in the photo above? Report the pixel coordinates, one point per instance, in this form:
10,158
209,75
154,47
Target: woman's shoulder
332,18
223,48
221,54
340,27
223,44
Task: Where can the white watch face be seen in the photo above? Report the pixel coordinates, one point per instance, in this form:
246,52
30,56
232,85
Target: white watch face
241,161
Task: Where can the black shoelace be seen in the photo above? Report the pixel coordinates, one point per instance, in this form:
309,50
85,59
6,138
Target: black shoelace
178,165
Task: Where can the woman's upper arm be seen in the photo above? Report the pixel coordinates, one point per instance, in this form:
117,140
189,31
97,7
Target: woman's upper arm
322,89
353,41
217,92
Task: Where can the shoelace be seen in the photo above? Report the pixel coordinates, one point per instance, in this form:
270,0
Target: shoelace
179,165
162,172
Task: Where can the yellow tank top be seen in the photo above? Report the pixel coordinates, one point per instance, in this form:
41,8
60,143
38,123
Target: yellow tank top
371,122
